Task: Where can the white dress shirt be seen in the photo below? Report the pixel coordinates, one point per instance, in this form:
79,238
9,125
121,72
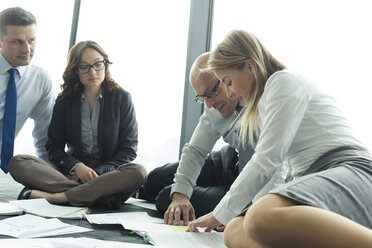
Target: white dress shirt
210,128
35,100
298,123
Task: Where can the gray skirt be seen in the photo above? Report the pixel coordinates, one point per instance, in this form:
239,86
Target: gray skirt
339,181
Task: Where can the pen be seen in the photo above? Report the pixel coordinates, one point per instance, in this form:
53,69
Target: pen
148,240
142,235
72,212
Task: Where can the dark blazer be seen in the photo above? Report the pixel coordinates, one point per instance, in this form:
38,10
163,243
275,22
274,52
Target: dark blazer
117,132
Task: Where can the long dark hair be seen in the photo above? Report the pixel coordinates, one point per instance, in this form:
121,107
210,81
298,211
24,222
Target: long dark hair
72,87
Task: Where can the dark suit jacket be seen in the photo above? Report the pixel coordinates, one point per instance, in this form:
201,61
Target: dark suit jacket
117,132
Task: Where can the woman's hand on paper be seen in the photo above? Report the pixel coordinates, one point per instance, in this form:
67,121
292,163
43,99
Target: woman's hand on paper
180,206
208,221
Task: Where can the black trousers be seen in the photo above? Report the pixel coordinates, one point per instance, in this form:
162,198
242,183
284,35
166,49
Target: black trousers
218,173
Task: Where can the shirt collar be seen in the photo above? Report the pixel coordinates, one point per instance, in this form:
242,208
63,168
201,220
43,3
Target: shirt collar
83,98
5,66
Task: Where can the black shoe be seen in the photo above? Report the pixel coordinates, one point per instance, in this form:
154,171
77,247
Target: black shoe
116,201
24,194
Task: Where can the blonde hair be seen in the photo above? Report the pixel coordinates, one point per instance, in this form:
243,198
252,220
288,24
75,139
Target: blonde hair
232,53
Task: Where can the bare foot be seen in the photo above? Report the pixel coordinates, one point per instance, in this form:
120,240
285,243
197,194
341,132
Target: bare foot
54,198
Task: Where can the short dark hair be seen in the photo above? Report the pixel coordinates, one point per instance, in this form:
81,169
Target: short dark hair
15,16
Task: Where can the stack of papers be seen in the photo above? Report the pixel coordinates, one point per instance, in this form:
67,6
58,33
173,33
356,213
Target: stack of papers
151,229
159,234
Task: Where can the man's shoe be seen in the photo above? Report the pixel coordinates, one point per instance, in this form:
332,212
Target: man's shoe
24,194
116,201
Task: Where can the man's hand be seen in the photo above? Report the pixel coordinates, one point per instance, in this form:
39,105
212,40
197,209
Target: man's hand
180,206
75,177
208,221
85,173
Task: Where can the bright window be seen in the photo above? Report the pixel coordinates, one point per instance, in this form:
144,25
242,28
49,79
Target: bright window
327,41
147,42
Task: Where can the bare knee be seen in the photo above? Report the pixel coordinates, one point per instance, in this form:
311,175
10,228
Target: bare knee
264,217
236,237
255,223
232,231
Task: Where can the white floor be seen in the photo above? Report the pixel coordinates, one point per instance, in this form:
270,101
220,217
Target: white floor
9,189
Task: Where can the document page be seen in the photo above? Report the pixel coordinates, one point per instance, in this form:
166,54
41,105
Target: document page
43,208
188,240
67,242
31,226
9,209
114,218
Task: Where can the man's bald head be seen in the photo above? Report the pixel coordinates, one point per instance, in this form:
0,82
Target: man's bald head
204,81
197,67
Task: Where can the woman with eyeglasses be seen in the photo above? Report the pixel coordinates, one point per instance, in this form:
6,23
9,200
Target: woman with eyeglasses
95,118
329,202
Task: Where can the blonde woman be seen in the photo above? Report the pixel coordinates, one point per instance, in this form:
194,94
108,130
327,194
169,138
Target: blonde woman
328,204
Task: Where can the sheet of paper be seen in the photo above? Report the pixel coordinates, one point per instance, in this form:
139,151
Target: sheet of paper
9,209
31,226
151,227
141,203
66,242
188,240
114,218
43,208
95,243
23,243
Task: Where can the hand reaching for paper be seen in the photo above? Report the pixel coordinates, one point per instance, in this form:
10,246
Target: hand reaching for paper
208,221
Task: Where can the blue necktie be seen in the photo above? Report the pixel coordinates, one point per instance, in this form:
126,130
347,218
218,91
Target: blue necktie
10,113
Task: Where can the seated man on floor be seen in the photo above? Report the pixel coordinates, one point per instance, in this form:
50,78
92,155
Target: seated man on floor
193,186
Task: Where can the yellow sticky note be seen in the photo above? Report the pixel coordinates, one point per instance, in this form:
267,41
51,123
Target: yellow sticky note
179,228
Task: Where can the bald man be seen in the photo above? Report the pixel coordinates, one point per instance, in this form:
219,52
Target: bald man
193,186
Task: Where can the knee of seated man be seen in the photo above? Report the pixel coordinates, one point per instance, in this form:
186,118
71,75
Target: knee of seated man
15,162
163,200
136,171
153,177
142,173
